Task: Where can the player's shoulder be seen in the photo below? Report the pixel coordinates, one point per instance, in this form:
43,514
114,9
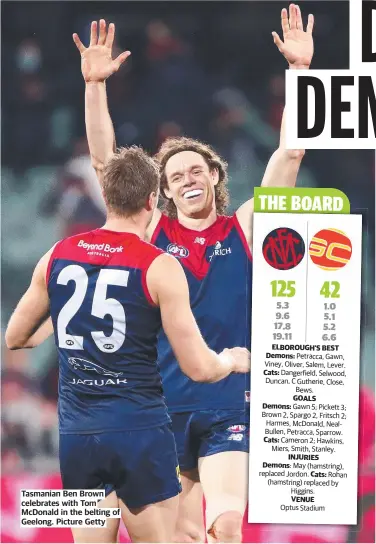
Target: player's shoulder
162,267
167,225
70,244
225,219
76,238
166,222
147,250
224,225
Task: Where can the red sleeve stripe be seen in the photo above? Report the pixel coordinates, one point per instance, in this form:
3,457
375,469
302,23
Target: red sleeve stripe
50,262
145,287
157,229
242,237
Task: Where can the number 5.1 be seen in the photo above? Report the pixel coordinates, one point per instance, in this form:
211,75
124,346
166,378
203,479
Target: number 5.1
281,288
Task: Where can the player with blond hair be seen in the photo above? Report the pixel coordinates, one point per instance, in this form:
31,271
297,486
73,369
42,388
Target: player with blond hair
106,294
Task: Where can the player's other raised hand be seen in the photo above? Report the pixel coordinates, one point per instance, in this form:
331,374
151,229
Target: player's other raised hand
97,63
297,44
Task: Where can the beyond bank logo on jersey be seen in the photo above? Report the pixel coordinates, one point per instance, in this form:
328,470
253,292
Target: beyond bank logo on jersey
100,247
177,251
218,251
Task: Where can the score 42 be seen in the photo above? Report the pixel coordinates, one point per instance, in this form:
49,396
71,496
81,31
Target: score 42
282,288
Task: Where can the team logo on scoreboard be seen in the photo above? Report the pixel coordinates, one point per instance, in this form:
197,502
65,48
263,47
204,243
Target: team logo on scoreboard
330,249
283,248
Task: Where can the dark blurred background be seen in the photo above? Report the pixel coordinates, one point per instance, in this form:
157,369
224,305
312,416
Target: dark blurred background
205,69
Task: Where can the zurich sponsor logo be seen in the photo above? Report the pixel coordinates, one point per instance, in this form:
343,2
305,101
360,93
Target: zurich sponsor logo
177,251
219,251
83,364
236,429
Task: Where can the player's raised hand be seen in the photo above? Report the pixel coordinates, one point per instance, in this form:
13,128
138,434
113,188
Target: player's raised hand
297,44
241,359
97,63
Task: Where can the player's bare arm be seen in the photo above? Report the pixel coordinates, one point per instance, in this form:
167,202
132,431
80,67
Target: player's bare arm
97,65
283,167
169,289
30,323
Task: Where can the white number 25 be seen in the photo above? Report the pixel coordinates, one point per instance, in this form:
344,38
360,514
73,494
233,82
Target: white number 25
102,306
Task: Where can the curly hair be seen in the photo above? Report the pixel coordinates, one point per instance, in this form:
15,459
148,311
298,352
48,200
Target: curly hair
172,146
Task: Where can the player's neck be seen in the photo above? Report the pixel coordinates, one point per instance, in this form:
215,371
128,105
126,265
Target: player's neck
200,222
130,224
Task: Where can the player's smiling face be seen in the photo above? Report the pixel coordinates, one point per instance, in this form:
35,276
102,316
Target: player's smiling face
190,183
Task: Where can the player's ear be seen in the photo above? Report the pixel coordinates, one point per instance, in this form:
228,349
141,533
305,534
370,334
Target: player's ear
215,176
151,201
167,193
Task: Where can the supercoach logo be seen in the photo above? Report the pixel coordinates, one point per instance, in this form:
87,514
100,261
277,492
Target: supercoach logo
330,249
100,247
177,251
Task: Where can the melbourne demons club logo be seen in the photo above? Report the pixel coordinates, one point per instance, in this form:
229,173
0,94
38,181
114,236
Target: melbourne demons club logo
177,251
283,248
330,249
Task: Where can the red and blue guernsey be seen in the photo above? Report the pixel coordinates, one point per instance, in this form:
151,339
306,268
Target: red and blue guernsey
217,263
106,327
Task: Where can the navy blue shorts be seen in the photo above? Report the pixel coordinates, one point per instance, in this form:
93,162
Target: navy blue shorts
141,466
206,432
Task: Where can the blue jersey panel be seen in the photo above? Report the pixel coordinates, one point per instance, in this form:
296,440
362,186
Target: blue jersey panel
220,296
105,331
